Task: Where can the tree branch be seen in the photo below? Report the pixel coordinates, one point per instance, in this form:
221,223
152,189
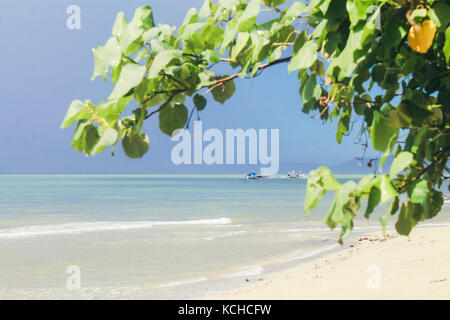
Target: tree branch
234,76
218,82
161,107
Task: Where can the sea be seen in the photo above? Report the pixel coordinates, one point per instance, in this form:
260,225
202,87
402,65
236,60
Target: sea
158,236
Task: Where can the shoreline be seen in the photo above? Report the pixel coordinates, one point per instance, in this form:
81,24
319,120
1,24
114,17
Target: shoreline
370,267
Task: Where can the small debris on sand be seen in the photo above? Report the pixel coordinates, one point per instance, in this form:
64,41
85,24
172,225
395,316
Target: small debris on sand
438,280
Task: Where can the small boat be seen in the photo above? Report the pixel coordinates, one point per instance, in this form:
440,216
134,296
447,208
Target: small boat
294,175
254,176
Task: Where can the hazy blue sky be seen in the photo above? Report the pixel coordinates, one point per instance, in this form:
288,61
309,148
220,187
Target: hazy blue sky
44,66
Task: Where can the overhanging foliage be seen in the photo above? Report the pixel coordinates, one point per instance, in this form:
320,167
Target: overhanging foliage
384,62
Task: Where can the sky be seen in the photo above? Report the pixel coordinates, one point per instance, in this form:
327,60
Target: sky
44,66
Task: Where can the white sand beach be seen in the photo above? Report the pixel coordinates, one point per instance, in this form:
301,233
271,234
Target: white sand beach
398,267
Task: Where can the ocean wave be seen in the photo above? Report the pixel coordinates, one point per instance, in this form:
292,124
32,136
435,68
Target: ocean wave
225,235
246,272
183,282
312,253
83,227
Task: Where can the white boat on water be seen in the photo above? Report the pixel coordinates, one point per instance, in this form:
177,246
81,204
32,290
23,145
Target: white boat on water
254,176
294,175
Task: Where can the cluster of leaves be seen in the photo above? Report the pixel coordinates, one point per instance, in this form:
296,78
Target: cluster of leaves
353,61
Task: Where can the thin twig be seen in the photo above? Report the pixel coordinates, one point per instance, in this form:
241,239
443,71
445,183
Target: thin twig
234,76
161,107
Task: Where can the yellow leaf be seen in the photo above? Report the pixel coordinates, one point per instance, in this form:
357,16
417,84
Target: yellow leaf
421,36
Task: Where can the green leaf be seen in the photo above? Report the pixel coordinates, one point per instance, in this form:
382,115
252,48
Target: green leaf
135,144
87,111
108,138
199,102
387,189
432,205
129,41
420,191
311,90
224,91
143,17
229,35
370,27
130,77
173,118
361,104
248,18
85,137
145,93
345,206
211,36
304,57
318,68
139,116
440,14
446,48
401,161
373,201
112,110
365,185
273,3
72,113
418,140
392,208
381,131
406,221
106,56
260,43
187,31
343,126
161,61
191,17
418,14
397,31
205,10
241,42
358,10
390,148
224,7
212,56
150,34
293,12
115,72
319,181
120,25
346,62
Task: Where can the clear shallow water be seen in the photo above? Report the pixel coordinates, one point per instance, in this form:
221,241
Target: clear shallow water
152,236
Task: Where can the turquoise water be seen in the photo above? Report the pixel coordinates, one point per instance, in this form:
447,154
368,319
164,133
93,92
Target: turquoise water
152,236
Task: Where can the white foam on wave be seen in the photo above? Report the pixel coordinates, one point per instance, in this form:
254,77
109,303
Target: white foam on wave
246,272
313,253
83,227
184,282
225,235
